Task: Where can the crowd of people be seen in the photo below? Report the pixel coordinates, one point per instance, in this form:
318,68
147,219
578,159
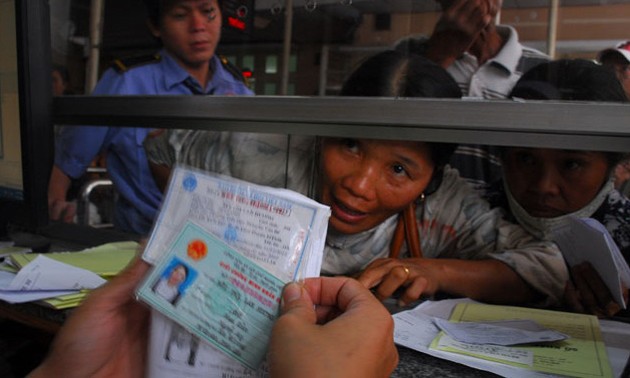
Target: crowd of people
481,217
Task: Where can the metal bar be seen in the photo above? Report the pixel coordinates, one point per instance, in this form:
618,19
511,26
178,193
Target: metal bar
286,46
553,28
601,126
35,96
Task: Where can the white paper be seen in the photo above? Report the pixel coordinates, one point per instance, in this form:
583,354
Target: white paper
415,329
498,352
44,273
12,296
175,352
277,228
250,219
510,332
585,239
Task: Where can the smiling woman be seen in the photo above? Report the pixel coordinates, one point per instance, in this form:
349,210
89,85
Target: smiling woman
468,249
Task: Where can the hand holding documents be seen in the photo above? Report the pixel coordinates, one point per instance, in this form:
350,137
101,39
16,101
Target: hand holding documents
223,250
585,239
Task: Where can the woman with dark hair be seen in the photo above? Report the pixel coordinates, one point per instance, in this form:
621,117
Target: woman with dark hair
168,286
543,187
385,192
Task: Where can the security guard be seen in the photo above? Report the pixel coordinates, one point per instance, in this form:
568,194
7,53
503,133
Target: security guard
189,31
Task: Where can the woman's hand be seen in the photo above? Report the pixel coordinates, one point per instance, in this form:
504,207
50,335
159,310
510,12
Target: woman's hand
418,276
588,293
487,280
332,327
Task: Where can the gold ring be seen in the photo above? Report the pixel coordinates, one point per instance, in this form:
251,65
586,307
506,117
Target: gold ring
406,270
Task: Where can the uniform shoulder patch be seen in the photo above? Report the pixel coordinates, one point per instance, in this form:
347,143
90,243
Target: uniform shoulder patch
233,69
124,64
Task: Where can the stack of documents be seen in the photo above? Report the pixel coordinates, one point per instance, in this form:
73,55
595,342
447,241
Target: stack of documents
223,249
583,346
61,280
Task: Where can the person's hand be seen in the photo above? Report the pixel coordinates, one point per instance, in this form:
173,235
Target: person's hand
622,174
386,276
331,327
588,294
62,210
106,336
460,25
58,208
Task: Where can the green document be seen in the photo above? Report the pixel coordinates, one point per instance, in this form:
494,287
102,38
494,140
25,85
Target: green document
106,260
582,355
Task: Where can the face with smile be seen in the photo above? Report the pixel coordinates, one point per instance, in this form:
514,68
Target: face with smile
549,183
190,30
366,181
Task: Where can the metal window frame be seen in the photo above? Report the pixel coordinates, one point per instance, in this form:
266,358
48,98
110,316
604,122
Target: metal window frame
566,125
595,126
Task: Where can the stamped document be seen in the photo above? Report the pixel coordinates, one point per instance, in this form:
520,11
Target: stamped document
228,247
277,228
583,354
220,295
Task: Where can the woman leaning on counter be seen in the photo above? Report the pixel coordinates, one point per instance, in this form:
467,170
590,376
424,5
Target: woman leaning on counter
542,187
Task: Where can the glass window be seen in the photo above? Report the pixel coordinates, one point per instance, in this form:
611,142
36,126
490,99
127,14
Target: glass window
248,62
293,63
271,89
333,39
271,64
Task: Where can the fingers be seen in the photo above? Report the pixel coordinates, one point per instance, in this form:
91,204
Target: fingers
414,291
332,295
296,302
374,273
62,210
388,275
396,277
595,296
572,298
121,288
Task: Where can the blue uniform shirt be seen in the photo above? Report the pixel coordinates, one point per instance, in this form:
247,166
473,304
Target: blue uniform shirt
138,196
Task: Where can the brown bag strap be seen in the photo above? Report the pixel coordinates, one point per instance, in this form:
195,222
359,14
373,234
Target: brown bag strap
406,229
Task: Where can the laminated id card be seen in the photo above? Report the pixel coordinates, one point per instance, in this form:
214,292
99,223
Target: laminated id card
216,293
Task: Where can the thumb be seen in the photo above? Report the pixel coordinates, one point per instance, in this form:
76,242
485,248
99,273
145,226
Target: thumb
297,302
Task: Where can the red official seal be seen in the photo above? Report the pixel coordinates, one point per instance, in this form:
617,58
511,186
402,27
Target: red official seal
197,249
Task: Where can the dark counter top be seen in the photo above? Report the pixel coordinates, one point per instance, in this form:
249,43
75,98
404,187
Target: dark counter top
416,364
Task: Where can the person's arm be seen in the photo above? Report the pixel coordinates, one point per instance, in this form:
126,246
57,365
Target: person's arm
160,156
161,174
458,28
105,336
483,280
470,250
332,327
58,207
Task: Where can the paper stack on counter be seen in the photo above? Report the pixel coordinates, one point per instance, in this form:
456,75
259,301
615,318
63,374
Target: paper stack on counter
593,348
62,279
223,249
